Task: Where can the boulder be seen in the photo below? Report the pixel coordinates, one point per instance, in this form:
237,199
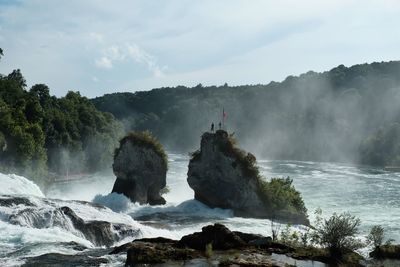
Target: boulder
224,176
386,252
100,233
140,252
218,235
140,165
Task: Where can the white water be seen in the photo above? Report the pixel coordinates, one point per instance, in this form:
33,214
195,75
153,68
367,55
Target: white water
368,193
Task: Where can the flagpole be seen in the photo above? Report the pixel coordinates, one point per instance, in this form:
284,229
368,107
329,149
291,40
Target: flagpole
223,117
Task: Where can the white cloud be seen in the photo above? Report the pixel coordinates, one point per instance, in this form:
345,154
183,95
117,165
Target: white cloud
233,41
141,56
115,54
104,63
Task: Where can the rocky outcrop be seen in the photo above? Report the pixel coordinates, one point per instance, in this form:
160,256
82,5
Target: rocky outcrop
61,260
215,245
386,252
100,233
140,165
218,235
224,176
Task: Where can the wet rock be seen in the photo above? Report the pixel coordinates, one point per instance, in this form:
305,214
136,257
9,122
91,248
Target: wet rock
218,235
159,240
246,237
8,201
62,260
140,166
264,241
100,233
152,253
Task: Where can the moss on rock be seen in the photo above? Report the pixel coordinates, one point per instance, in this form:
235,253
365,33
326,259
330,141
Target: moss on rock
144,139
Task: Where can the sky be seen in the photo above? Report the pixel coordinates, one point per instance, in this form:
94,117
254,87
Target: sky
99,46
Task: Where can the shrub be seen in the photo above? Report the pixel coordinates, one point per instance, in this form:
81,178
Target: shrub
376,236
209,250
281,195
165,190
338,234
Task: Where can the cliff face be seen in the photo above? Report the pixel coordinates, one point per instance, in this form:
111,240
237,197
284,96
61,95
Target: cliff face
218,180
226,177
140,170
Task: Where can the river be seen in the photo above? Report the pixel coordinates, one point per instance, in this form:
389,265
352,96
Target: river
368,193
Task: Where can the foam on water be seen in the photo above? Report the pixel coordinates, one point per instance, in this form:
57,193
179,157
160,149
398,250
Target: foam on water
12,184
116,202
368,193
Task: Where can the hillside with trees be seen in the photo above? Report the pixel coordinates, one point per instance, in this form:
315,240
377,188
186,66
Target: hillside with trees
331,116
42,136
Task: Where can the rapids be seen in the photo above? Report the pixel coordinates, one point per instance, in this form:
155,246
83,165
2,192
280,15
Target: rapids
31,223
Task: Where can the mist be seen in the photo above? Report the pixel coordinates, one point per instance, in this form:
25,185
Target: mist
315,116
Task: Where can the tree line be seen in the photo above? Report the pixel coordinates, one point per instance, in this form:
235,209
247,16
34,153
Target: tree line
346,114
42,136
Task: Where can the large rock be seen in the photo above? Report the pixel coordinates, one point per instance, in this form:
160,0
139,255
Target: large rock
224,176
100,233
218,235
141,167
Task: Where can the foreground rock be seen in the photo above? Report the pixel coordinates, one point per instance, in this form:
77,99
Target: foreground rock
140,165
215,245
218,235
62,260
224,176
100,233
386,252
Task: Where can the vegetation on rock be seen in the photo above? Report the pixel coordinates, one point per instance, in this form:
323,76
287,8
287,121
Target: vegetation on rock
144,139
281,196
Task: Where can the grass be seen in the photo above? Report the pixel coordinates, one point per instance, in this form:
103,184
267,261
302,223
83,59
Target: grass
144,139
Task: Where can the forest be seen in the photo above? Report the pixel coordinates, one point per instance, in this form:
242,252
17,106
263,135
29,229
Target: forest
346,114
42,136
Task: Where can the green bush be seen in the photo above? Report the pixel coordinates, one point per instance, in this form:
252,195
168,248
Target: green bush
376,236
280,195
337,234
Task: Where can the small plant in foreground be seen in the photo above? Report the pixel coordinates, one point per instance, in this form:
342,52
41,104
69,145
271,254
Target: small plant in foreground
209,250
376,236
338,234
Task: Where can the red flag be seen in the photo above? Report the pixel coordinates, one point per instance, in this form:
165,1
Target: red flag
223,114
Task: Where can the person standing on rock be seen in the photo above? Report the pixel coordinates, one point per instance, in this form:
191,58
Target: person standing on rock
212,127
220,125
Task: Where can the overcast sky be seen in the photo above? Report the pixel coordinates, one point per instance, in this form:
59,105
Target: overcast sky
100,47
